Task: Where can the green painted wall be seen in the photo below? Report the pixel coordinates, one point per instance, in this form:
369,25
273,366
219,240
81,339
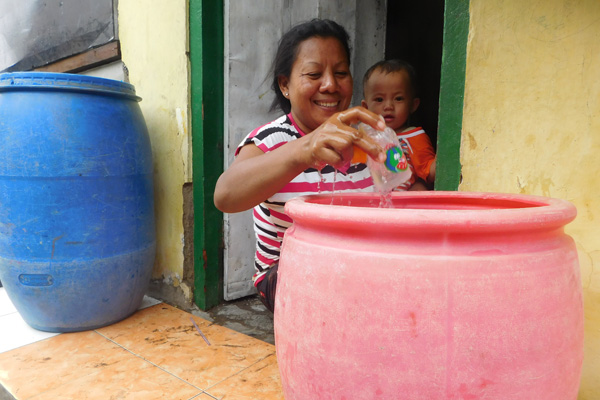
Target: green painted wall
531,123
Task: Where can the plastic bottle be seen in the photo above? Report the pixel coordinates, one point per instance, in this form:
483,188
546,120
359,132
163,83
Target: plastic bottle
395,170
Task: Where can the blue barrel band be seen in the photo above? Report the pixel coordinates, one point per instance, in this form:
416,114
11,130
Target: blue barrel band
61,81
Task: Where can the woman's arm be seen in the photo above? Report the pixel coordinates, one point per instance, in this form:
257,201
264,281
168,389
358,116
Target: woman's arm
255,176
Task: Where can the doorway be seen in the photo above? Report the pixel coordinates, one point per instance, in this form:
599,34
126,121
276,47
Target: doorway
415,34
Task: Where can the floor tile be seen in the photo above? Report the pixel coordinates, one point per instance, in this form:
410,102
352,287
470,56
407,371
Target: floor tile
14,332
6,306
167,337
163,350
85,366
148,301
205,396
260,381
131,380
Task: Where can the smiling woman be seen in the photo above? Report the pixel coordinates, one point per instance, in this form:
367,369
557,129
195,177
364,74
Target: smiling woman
319,84
300,152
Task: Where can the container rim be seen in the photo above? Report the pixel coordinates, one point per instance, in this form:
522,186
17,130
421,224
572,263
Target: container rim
453,211
65,81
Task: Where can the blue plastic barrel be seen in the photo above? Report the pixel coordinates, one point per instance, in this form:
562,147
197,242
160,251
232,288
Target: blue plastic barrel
77,231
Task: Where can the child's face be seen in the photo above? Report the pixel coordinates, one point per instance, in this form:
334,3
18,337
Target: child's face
390,95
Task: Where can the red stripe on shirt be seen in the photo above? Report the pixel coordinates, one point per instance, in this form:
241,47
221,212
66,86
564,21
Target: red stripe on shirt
270,241
260,217
250,135
266,149
281,216
264,259
315,187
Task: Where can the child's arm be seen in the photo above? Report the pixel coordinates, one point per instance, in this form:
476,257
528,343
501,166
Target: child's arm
423,157
419,185
255,176
431,176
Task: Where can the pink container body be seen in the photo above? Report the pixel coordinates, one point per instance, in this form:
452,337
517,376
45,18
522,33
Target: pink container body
447,295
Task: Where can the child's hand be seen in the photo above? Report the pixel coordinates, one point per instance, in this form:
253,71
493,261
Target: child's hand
333,142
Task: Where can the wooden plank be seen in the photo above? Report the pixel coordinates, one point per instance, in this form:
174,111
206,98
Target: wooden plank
92,58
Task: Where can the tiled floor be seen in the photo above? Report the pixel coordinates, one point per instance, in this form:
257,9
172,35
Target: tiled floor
157,353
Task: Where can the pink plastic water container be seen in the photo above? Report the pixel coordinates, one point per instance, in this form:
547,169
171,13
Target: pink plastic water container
447,295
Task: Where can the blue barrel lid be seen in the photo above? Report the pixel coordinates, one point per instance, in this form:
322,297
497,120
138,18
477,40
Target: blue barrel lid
64,81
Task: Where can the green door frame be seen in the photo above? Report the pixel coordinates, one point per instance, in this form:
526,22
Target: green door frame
206,64
452,89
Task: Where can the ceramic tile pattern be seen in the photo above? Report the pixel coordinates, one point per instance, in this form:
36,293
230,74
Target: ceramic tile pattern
157,353
14,331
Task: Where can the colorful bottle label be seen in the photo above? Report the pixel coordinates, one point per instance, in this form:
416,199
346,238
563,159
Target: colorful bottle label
395,161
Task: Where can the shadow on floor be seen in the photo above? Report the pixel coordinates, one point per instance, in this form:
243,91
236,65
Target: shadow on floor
246,315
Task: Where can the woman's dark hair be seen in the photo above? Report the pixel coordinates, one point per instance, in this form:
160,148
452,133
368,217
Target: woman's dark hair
396,65
288,50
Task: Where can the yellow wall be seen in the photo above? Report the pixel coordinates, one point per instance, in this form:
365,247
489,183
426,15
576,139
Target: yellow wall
531,123
153,37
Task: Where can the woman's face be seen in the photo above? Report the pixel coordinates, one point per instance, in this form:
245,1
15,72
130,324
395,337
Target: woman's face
320,83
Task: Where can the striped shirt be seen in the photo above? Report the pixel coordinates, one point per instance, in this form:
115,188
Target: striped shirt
270,219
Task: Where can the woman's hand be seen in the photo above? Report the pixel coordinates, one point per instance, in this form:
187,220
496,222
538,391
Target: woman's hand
333,142
254,176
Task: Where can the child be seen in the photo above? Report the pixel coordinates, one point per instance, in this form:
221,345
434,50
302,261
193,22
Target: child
390,90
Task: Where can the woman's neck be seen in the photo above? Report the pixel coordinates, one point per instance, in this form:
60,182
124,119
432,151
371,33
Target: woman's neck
300,131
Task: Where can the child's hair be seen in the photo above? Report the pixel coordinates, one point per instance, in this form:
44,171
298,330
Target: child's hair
288,50
396,65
